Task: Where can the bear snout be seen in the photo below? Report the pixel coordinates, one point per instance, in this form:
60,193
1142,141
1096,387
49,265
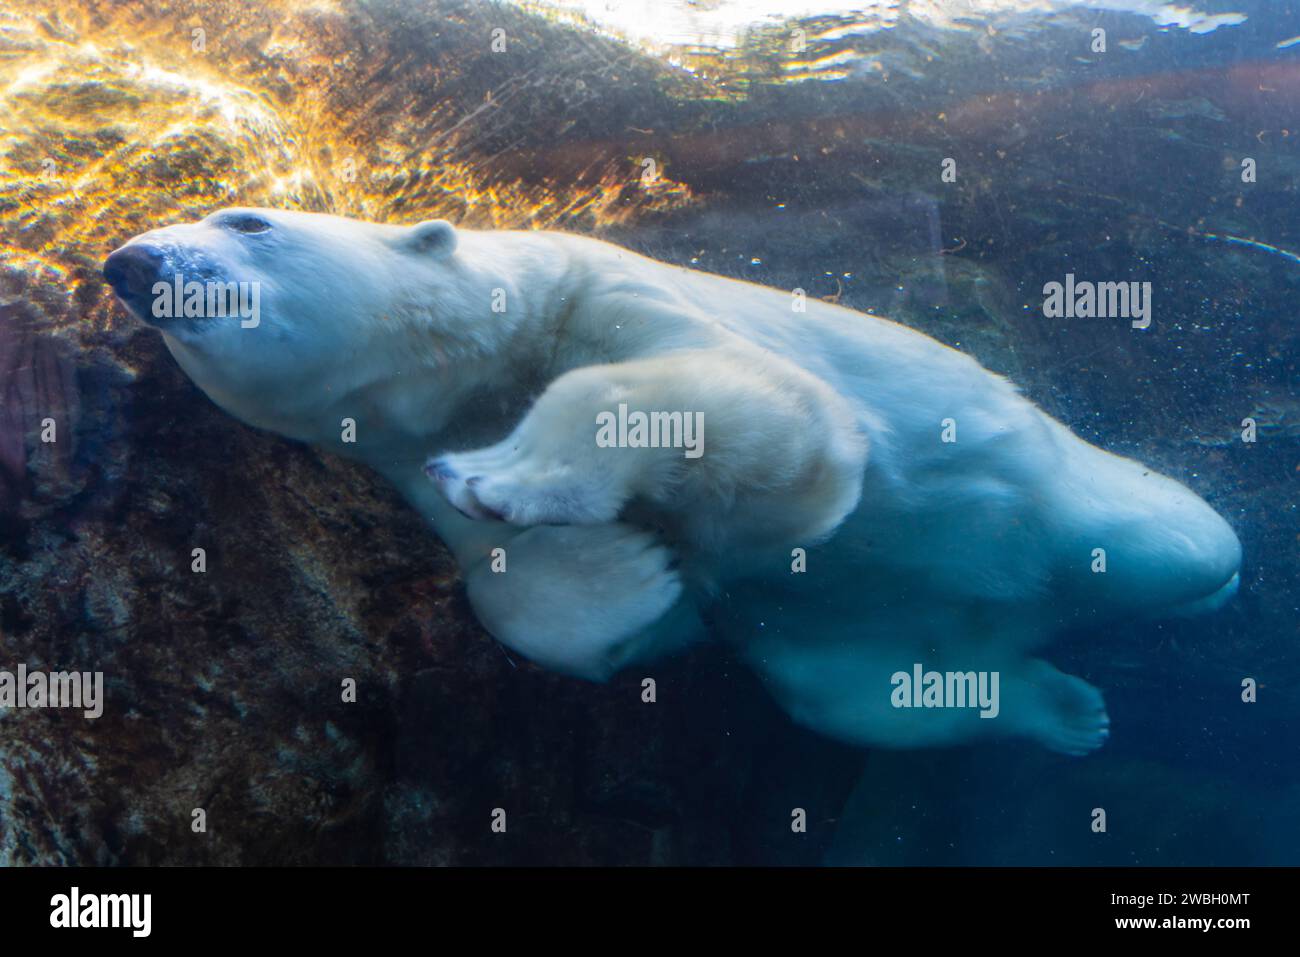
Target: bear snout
132,272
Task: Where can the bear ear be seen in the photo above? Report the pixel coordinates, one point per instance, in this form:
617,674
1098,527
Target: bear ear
433,237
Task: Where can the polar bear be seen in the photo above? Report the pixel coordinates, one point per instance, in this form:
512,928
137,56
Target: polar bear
864,506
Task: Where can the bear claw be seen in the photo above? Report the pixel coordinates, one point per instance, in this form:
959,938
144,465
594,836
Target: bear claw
460,493
482,486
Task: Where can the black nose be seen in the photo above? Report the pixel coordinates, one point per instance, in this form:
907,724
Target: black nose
133,270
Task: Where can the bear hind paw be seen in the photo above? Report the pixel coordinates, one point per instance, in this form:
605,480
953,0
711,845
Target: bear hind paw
1068,715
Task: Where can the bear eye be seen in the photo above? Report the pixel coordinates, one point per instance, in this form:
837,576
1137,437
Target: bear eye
247,224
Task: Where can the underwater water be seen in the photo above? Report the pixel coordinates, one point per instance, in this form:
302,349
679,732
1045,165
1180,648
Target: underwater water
934,163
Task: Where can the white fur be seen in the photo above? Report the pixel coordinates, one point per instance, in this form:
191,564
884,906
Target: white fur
822,431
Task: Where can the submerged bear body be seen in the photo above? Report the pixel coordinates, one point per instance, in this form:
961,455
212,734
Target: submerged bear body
866,501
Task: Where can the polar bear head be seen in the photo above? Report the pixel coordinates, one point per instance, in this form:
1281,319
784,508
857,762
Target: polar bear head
263,307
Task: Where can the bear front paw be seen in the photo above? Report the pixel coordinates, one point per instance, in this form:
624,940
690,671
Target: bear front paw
495,485
578,600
